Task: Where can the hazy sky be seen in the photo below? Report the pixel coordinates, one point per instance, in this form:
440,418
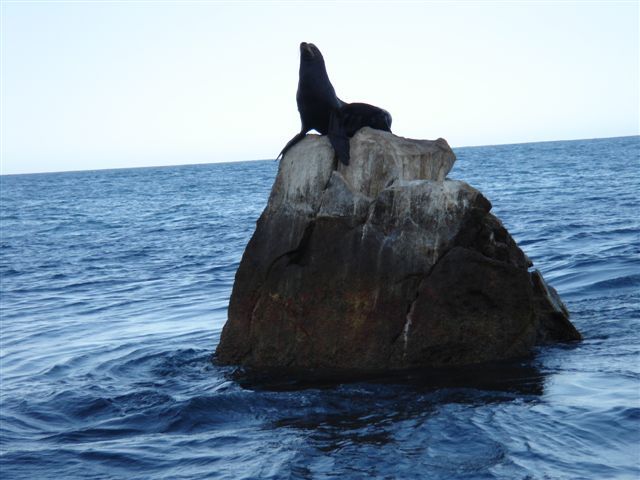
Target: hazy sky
121,84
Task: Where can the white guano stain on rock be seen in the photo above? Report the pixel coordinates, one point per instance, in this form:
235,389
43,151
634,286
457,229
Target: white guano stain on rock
406,329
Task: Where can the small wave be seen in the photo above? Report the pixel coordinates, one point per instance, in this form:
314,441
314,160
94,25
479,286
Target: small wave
10,272
148,362
628,281
88,435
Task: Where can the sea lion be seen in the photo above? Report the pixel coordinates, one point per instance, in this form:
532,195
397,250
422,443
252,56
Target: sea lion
316,97
321,110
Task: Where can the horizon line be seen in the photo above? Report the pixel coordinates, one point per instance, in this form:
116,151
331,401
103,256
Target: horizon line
273,159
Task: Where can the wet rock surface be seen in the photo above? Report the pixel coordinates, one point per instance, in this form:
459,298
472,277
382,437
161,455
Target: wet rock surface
383,264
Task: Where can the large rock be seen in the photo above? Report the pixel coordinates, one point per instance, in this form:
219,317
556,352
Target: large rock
383,264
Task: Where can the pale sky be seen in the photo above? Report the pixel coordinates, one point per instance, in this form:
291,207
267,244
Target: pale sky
110,84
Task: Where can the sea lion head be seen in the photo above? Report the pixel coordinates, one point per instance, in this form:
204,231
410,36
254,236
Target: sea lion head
310,53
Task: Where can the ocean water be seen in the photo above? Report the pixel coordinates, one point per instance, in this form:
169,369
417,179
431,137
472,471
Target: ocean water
114,289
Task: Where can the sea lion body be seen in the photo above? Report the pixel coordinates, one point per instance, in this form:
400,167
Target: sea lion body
316,97
358,115
321,110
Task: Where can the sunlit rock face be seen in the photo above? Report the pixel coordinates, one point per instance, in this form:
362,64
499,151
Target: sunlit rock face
383,264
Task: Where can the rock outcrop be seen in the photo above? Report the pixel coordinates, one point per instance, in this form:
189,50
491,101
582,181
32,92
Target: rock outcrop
383,264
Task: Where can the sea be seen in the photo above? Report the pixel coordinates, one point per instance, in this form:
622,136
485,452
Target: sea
114,291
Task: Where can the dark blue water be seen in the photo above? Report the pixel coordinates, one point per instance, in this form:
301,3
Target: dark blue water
114,289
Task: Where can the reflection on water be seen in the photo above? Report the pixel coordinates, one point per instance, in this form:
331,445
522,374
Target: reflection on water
518,377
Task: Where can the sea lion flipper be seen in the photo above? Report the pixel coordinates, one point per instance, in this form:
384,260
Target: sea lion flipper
338,137
299,136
